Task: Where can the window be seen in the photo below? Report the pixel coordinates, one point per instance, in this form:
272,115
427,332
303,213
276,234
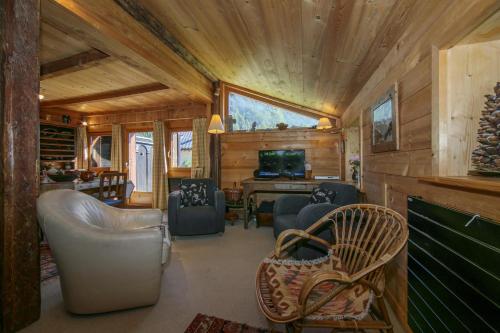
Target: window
247,113
100,148
181,148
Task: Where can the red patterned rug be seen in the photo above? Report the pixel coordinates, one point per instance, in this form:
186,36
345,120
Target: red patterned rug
208,324
48,269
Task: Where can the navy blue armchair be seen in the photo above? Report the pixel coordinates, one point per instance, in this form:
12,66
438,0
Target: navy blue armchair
295,212
197,220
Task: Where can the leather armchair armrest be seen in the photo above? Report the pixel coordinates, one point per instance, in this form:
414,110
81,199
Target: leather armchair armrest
131,258
289,204
174,204
139,218
220,209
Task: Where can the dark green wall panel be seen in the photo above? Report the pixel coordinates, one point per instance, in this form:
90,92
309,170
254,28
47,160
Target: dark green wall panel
453,270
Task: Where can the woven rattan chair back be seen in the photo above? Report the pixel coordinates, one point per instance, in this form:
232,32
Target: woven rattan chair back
365,234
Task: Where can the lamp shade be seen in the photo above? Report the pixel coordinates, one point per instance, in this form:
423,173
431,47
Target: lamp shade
324,123
216,126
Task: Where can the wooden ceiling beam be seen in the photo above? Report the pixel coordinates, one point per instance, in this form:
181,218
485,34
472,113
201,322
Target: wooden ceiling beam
107,95
106,26
72,64
152,24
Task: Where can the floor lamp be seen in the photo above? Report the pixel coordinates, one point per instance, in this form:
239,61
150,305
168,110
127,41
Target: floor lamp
216,127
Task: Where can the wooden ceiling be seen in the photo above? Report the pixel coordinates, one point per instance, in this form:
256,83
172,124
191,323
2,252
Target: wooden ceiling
315,53
84,83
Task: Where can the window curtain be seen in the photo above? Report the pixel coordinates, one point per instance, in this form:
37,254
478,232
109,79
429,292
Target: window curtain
160,179
81,148
200,167
116,148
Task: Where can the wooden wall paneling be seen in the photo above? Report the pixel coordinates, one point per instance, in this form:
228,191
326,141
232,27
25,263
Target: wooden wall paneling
240,151
173,112
109,28
472,72
412,63
19,127
54,115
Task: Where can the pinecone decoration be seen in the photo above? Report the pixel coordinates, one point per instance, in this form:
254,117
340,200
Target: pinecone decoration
486,157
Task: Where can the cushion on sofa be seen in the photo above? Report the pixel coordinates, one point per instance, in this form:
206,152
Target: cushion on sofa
194,195
322,195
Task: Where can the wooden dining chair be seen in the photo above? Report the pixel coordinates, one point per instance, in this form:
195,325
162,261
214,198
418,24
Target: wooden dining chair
113,188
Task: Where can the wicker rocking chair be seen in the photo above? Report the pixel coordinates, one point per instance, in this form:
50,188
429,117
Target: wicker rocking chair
344,289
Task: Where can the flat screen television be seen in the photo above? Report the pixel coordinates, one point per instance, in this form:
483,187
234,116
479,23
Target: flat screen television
276,163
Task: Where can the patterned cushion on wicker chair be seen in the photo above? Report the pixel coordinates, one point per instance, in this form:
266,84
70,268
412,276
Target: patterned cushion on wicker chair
283,281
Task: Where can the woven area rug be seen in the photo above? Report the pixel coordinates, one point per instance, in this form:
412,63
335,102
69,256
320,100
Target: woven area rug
48,269
208,324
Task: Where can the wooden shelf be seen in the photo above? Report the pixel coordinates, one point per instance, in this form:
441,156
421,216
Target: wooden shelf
56,123
466,183
55,149
42,133
56,161
56,139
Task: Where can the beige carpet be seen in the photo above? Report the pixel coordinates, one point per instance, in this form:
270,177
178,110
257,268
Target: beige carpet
207,274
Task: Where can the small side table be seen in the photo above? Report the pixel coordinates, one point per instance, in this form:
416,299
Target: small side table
233,209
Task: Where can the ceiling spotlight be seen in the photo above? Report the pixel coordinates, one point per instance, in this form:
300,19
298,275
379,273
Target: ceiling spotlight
40,96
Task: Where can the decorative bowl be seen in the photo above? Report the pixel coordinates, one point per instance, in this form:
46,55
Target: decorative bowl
87,176
63,177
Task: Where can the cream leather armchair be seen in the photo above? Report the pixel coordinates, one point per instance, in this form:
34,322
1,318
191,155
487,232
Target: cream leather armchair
108,258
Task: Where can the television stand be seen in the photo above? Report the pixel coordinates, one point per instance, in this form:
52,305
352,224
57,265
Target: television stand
253,186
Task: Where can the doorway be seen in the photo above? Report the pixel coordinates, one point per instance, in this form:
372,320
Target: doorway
140,166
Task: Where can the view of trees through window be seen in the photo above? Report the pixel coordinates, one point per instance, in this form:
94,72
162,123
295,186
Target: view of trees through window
181,148
248,113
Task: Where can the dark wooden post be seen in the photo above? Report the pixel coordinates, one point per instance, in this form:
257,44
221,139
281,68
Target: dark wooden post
215,146
19,126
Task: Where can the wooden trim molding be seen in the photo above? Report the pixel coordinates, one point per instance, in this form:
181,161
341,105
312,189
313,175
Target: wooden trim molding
468,183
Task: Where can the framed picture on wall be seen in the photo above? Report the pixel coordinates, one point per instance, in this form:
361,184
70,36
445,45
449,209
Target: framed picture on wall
385,122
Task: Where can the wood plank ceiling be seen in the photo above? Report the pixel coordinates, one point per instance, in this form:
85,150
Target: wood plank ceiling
103,76
315,53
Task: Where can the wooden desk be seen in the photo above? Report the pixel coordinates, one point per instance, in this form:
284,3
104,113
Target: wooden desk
278,185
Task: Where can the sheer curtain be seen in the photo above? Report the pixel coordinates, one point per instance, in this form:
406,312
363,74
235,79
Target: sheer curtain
160,179
116,148
81,148
200,167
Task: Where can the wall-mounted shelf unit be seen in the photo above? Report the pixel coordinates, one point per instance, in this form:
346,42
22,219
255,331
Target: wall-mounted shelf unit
57,145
